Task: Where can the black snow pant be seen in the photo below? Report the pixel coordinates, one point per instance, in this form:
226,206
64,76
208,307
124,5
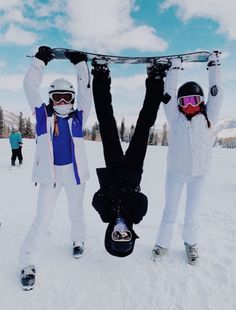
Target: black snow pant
119,191
16,153
135,154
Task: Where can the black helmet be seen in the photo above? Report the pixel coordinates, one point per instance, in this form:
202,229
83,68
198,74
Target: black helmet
190,88
120,249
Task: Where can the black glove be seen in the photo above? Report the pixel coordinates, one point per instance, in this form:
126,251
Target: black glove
76,57
45,54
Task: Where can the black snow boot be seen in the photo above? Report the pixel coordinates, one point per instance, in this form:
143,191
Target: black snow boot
28,277
157,69
78,249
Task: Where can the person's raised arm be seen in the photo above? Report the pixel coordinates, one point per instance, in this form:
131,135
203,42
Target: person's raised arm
34,76
170,89
215,95
84,91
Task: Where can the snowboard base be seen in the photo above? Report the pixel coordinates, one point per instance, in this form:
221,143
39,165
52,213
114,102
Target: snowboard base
200,56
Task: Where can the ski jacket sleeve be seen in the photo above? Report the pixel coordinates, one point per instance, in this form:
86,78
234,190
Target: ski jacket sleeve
20,138
84,93
215,95
32,81
171,107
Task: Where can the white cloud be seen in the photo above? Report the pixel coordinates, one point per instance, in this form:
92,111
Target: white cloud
5,5
107,26
16,35
11,82
223,12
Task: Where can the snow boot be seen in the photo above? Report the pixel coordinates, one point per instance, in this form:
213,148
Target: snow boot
158,252
13,163
100,68
28,277
78,249
157,69
192,253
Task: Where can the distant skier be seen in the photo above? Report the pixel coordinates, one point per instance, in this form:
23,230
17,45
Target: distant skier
60,159
15,139
191,122
119,200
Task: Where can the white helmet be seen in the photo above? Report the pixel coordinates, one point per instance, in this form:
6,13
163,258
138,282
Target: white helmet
61,85
14,128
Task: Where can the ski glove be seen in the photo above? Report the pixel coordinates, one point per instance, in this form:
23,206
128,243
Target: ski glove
45,54
213,60
76,57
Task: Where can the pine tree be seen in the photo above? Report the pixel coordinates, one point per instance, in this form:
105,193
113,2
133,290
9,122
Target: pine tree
122,130
131,132
94,132
164,141
29,133
2,127
21,125
151,136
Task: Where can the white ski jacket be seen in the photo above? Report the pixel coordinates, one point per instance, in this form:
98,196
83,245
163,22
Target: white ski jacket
191,142
43,171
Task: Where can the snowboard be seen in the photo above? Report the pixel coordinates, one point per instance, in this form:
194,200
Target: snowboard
200,56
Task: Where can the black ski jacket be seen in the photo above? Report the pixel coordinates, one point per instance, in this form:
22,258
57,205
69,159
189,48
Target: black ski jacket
119,195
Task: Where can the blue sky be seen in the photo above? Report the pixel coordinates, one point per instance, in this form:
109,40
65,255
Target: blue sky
125,27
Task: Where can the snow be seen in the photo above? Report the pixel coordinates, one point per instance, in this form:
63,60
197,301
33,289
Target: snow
100,281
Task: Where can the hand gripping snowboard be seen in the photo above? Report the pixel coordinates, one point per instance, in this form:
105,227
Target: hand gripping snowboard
201,56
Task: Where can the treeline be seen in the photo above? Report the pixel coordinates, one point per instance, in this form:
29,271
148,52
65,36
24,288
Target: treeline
156,137
23,124
227,142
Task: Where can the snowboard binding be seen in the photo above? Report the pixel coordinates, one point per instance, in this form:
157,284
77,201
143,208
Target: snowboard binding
100,68
156,69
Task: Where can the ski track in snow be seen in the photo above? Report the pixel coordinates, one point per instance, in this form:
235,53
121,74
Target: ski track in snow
100,281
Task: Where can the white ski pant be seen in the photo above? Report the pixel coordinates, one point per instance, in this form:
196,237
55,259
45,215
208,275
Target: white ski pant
173,189
47,198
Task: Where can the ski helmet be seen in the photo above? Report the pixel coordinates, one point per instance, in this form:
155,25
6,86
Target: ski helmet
190,88
120,249
14,128
61,85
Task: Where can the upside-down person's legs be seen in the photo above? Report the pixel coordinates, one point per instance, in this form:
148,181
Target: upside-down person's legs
136,151
113,153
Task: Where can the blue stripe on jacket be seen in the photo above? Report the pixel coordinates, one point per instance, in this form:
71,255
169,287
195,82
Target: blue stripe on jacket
41,117
77,124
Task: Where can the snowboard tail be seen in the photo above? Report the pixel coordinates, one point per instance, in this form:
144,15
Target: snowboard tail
200,56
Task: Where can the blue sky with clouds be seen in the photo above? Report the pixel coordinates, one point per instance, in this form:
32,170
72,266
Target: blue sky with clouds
125,27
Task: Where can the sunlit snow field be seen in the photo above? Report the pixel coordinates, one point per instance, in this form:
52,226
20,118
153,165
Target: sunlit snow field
101,281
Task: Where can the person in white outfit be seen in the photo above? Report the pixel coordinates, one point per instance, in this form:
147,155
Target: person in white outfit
60,159
191,123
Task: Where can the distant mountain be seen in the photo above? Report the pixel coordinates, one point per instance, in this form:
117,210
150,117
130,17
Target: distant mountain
225,123
227,133
10,118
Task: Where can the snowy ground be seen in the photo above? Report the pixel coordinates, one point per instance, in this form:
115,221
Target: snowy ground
100,281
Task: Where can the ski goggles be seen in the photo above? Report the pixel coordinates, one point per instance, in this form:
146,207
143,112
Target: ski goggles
193,100
58,97
123,236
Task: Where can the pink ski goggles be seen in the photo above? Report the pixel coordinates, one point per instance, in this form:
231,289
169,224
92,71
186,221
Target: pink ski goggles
193,100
